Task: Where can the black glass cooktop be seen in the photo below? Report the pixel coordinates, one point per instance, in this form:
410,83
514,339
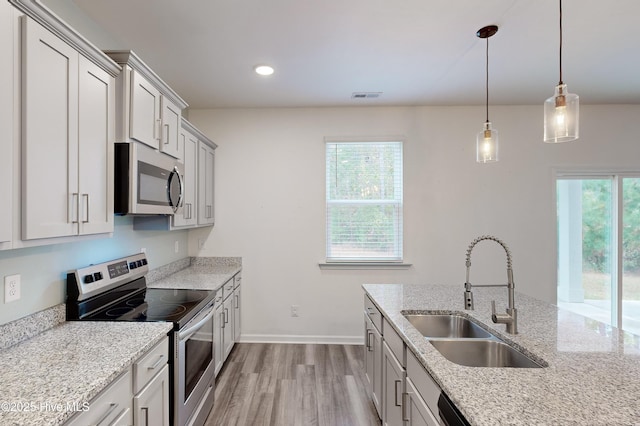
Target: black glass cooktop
135,302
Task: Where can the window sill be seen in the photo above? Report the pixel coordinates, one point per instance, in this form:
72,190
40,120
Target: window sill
364,265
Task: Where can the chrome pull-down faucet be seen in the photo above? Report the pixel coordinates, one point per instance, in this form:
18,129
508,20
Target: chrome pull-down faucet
511,316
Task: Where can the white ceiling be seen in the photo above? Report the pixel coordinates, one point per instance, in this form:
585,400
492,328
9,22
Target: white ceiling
417,52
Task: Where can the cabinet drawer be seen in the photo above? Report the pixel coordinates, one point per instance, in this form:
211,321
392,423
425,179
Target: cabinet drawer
426,386
394,341
227,289
150,364
111,406
373,313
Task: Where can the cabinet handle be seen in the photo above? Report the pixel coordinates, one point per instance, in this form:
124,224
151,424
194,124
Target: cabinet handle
86,211
398,404
73,208
112,407
119,417
222,319
146,415
156,130
370,311
158,362
166,138
405,417
369,345
237,301
226,315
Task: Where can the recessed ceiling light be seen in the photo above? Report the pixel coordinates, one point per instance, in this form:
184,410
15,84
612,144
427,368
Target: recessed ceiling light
264,70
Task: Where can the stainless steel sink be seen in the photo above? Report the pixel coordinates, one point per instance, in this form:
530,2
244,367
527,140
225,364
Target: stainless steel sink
447,326
483,353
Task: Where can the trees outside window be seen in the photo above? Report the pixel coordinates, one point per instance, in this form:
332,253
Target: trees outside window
599,247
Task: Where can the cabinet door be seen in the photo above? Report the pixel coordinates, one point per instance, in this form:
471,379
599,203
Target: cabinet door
218,326
227,342
237,301
188,215
377,369
145,111
151,405
417,411
171,125
96,126
393,376
6,120
373,362
205,184
111,407
50,134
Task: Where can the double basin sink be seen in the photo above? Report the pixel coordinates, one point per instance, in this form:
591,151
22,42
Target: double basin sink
464,342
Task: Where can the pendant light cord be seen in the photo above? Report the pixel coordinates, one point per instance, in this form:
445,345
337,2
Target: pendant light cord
560,42
487,80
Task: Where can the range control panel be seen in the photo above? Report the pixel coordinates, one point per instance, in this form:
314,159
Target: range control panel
95,279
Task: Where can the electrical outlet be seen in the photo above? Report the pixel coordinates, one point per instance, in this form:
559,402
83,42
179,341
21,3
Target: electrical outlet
11,288
294,310
200,243
176,246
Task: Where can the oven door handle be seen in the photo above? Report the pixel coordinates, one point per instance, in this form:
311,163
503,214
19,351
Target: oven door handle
186,333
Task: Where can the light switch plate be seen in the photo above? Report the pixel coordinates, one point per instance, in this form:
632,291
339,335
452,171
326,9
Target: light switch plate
11,288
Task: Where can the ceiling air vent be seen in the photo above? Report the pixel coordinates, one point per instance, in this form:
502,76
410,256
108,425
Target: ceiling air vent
365,95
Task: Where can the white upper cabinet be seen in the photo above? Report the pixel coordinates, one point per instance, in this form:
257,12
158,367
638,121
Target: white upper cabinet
188,217
145,111
149,111
170,142
68,107
50,134
6,122
96,128
206,156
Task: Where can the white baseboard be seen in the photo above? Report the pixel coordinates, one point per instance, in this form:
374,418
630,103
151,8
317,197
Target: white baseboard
291,338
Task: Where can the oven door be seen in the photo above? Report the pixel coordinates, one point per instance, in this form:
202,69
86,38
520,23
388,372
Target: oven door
194,368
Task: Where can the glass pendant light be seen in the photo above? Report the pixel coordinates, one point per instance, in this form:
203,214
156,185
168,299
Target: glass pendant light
487,140
562,110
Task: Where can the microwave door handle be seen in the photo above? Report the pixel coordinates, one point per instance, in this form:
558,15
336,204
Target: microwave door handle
185,334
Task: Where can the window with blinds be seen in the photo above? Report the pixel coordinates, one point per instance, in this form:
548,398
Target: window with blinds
364,201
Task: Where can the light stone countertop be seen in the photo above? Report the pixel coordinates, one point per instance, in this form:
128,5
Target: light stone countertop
67,366
593,373
203,274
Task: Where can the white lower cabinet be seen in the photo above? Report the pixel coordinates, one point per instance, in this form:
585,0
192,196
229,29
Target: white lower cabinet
393,376
139,396
373,362
151,387
111,407
226,321
218,337
417,411
150,405
402,391
237,302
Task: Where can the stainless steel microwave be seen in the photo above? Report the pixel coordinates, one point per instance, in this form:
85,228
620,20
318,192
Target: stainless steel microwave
146,181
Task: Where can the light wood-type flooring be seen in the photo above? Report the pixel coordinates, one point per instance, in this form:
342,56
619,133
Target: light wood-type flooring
287,384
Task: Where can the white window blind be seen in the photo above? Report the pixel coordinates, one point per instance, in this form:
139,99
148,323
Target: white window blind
364,201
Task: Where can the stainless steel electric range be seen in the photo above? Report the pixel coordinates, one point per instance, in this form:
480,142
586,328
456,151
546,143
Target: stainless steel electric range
117,291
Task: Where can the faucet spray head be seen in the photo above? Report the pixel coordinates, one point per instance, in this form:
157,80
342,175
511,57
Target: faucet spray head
468,297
